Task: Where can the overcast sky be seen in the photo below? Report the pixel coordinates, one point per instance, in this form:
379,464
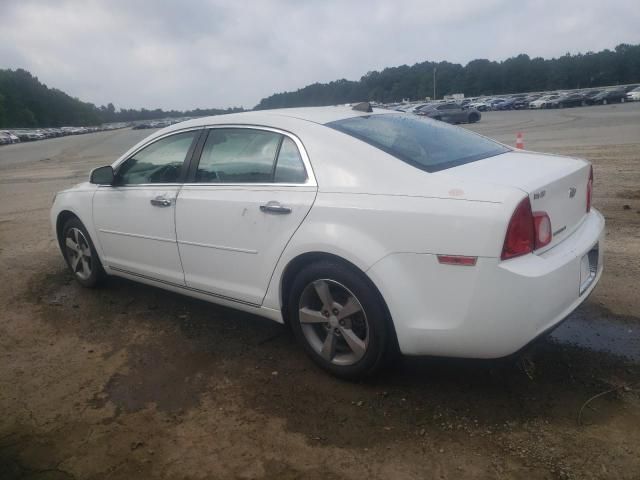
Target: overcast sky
214,53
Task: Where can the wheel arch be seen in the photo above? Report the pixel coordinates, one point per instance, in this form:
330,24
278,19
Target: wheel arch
299,262
63,217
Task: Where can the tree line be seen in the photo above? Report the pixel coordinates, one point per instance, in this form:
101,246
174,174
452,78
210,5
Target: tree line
26,102
478,77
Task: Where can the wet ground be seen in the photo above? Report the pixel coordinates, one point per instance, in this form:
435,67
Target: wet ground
130,381
597,330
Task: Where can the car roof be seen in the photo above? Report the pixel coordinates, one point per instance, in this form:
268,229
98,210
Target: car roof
320,115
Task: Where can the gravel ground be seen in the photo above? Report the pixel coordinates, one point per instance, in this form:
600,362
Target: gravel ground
131,382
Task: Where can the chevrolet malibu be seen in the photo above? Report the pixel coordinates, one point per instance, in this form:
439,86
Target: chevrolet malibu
366,231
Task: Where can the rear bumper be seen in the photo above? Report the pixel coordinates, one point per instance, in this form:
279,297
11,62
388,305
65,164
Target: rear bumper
490,310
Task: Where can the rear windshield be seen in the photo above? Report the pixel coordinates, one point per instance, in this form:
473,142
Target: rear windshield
429,145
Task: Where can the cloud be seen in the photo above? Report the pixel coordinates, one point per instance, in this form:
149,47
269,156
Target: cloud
214,53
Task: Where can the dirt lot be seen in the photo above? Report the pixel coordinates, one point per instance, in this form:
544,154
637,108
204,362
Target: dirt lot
132,382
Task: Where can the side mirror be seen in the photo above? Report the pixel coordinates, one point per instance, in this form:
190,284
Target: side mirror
102,175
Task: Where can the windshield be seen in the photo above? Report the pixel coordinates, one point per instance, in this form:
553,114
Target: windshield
429,145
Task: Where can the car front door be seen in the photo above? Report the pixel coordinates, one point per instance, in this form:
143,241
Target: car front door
447,113
245,198
135,217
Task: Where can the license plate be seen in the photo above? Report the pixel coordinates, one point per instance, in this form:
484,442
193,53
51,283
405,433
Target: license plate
588,268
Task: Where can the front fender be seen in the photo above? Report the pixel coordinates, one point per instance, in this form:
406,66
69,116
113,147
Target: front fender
79,202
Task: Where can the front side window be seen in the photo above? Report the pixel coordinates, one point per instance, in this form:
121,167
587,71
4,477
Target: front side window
160,162
426,144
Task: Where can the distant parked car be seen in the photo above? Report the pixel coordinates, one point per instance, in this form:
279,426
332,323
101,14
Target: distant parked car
569,100
5,139
480,105
29,135
14,138
588,96
23,135
609,96
496,103
46,132
543,102
450,113
522,103
634,95
506,104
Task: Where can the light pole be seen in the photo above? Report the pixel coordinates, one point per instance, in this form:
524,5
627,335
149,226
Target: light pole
434,82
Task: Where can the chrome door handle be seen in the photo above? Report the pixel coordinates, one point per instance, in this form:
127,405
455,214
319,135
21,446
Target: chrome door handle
161,202
274,207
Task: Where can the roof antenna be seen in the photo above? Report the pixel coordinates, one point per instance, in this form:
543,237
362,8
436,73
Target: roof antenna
362,107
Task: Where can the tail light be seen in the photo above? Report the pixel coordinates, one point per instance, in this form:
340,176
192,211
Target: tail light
520,238
589,189
527,231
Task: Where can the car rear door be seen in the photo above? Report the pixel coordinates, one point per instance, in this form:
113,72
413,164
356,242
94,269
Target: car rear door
135,217
249,189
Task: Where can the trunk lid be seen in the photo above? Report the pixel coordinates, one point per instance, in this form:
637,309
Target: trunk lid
555,184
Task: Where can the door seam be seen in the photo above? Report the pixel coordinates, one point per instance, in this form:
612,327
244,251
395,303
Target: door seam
285,248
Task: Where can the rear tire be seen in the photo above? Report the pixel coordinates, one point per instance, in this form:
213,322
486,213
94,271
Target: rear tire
473,118
80,254
340,320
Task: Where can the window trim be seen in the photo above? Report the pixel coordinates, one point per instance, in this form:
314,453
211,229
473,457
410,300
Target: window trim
185,165
195,158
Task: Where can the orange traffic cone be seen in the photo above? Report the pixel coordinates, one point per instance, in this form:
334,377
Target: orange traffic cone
519,141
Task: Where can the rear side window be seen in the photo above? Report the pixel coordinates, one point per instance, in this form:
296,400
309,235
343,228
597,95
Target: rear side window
429,145
290,168
244,155
238,155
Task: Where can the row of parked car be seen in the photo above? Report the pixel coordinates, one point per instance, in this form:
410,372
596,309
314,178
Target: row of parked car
159,123
560,99
468,110
450,112
28,135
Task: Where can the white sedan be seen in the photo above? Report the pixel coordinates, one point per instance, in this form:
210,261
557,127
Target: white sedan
366,231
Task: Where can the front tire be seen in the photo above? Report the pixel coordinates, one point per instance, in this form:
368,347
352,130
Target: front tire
473,118
80,254
340,320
